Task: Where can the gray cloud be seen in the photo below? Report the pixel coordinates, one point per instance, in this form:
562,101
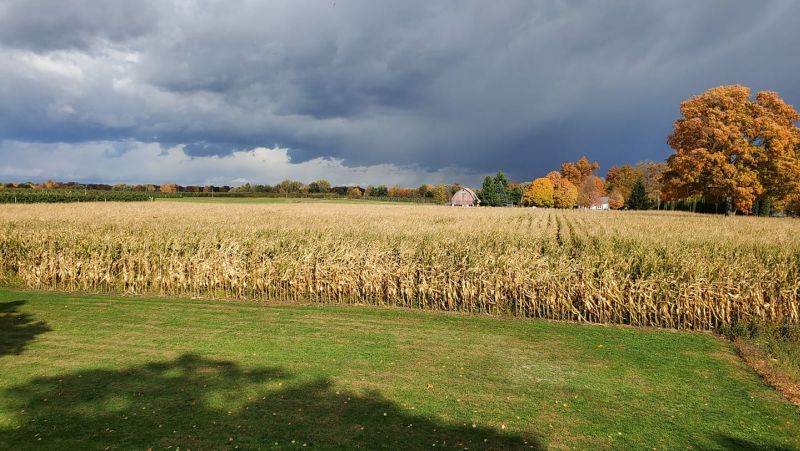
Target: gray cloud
43,25
510,85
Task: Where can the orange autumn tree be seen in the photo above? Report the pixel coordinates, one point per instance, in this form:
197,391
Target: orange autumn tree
540,193
578,171
621,179
565,194
591,190
615,200
733,149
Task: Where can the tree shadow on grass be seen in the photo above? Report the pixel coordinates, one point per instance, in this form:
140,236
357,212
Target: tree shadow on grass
198,403
739,444
17,329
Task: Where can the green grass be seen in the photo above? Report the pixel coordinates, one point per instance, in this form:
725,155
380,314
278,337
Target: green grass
279,200
90,371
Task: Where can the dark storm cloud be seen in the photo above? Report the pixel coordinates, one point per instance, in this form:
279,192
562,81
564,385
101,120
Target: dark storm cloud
512,85
76,24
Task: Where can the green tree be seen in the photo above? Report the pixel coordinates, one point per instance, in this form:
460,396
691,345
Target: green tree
488,194
290,186
378,191
425,190
440,194
638,199
515,195
501,185
319,186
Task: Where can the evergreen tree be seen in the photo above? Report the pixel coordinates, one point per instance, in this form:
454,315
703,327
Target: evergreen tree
763,207
488,194
515,195
638,199
501,187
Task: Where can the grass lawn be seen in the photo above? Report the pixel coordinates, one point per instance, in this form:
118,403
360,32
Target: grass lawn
280,200
91,371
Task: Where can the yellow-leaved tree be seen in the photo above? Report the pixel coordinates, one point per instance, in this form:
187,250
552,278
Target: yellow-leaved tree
565,193
732,149
539,194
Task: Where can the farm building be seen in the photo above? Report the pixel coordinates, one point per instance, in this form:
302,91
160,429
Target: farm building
465,197
600,204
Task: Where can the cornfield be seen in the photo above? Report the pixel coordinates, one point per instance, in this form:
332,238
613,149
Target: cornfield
673,270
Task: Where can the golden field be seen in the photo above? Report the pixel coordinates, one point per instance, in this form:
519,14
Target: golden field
660,269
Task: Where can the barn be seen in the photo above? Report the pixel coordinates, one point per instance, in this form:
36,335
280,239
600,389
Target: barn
465,197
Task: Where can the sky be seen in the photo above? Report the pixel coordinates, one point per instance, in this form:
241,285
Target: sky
366,92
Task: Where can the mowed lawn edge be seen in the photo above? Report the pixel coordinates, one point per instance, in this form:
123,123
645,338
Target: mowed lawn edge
215,372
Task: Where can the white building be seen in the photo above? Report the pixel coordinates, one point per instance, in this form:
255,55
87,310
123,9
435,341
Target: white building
600,204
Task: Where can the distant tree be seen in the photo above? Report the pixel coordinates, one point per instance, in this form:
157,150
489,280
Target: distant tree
494,192
565,194
515,193
291,187
353,192
651,173
638,199
440,194
732,148
503,188
540,193
488,193
621,179
452,189
762,206
554,177
591,191
615,200
425,190
319,186
792,206
399,191
578,171
378,191
169,188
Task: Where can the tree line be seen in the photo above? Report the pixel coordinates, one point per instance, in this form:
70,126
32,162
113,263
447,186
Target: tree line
433,193
577,185
732,153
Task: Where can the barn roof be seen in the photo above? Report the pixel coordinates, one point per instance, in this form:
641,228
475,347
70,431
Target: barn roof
472,193
465,196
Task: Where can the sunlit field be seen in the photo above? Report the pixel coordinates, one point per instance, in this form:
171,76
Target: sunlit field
661,269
